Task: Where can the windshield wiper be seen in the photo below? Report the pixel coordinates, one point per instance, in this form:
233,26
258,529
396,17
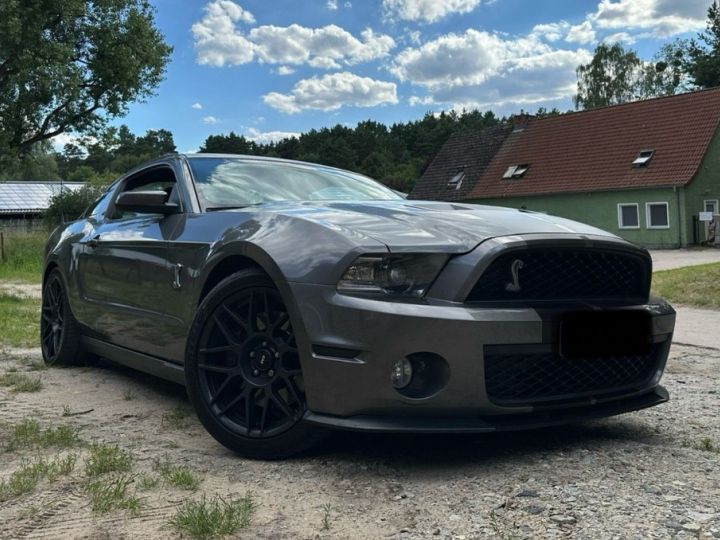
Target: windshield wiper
229,207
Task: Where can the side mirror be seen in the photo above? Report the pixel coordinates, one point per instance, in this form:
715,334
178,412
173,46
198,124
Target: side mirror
146,202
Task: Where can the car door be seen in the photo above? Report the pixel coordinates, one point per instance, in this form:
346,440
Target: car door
129,276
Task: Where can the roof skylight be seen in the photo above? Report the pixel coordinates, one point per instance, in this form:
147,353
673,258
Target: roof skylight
515,172
643,158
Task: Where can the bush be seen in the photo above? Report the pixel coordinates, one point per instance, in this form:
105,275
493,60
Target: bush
69,205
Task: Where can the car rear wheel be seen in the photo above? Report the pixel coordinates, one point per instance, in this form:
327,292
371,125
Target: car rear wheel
243,371
60,337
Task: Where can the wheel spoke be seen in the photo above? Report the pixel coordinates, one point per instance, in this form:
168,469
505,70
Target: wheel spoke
212,350
234,401
249,403
281,404
222,388
235,318
291,387
225,331
263,417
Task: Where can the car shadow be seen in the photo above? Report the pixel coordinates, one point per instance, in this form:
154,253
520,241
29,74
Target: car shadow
428,452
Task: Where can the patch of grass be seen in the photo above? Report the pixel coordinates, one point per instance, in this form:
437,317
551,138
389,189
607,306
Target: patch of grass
20,382
178,476
105,458
29,434
327,514
24,257
211,518
177,417
107,495
129,395
36,365
705,444
20,321
29,475
697,286
147,481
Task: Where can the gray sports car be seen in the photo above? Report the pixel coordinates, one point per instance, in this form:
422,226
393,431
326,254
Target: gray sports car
290,298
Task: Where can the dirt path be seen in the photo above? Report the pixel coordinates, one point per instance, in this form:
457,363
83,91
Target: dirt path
652,473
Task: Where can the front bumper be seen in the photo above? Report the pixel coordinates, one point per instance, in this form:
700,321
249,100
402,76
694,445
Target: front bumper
354,391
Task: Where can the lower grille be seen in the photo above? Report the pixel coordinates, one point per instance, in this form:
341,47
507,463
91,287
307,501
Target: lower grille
528,378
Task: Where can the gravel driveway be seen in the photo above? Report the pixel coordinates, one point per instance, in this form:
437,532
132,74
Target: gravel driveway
667,259
649,474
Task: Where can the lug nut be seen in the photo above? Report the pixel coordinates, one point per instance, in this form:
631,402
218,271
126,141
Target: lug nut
264,343
256,372
277,355
271,373
252,354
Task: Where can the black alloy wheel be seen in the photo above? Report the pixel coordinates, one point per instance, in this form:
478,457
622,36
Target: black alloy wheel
243,369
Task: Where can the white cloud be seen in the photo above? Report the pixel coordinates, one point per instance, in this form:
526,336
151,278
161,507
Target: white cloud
619,37
426,10
59,141
551,31
479,69
661,18
210,120
324,47
284,70
333,91
265,137
581,33
332,5
219,41
197,106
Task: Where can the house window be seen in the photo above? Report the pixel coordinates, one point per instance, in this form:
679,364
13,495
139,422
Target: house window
629,216
515,172
711,206
456,181
643,158
657,215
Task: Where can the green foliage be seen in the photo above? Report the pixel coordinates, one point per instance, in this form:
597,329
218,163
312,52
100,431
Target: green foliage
106,458
692,286
37,164
703,53
23,257
29,434
69,205
19,382
107,495
28,476
178,476
72,65
617,75
20,323
214,517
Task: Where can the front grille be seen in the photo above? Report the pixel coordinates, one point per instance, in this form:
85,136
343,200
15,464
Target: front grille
528,378
563,274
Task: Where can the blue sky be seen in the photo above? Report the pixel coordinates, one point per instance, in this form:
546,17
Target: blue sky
264,68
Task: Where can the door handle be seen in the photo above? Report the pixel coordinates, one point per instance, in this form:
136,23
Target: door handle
93,242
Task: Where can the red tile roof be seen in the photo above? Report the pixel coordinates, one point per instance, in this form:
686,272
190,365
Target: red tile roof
594,150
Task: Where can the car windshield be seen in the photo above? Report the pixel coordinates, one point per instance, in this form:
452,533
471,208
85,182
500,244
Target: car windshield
237,182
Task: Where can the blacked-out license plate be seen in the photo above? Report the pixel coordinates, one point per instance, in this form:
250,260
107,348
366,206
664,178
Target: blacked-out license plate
605,333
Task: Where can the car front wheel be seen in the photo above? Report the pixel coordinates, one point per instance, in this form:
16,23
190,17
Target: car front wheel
243,371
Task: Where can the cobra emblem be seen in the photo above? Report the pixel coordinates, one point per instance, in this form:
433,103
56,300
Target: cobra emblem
515,267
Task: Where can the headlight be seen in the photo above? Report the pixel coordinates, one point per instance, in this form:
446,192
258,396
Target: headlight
405,275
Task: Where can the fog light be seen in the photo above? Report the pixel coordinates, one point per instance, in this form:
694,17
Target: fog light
401,373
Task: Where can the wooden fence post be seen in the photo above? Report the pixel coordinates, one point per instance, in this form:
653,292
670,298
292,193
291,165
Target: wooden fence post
2,246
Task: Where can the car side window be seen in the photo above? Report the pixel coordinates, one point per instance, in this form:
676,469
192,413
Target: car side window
155,179
97,210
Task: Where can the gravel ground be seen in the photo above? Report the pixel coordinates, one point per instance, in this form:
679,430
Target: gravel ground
651,474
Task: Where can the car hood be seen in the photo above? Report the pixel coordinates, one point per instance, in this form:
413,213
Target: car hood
424,225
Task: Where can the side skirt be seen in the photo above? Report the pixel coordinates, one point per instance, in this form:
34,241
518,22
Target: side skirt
135,360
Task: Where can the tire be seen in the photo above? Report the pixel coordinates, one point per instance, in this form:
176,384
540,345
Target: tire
60,336
243,373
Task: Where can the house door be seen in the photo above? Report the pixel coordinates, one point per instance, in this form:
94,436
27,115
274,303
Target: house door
710,206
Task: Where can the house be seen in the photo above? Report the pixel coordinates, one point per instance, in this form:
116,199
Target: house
22,204
644,170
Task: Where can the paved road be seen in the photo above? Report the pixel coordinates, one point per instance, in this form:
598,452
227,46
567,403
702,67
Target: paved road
699,327
667,259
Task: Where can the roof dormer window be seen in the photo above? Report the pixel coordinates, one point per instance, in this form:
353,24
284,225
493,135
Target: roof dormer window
515,172
643,158
456,181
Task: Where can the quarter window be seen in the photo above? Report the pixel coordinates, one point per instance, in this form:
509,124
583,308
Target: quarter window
657,215
629,216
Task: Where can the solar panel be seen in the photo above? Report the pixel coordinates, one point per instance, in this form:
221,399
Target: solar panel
30,197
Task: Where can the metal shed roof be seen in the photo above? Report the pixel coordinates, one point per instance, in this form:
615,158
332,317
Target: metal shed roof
30,197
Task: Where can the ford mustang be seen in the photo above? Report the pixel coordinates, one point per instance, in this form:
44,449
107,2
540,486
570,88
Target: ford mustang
291,298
